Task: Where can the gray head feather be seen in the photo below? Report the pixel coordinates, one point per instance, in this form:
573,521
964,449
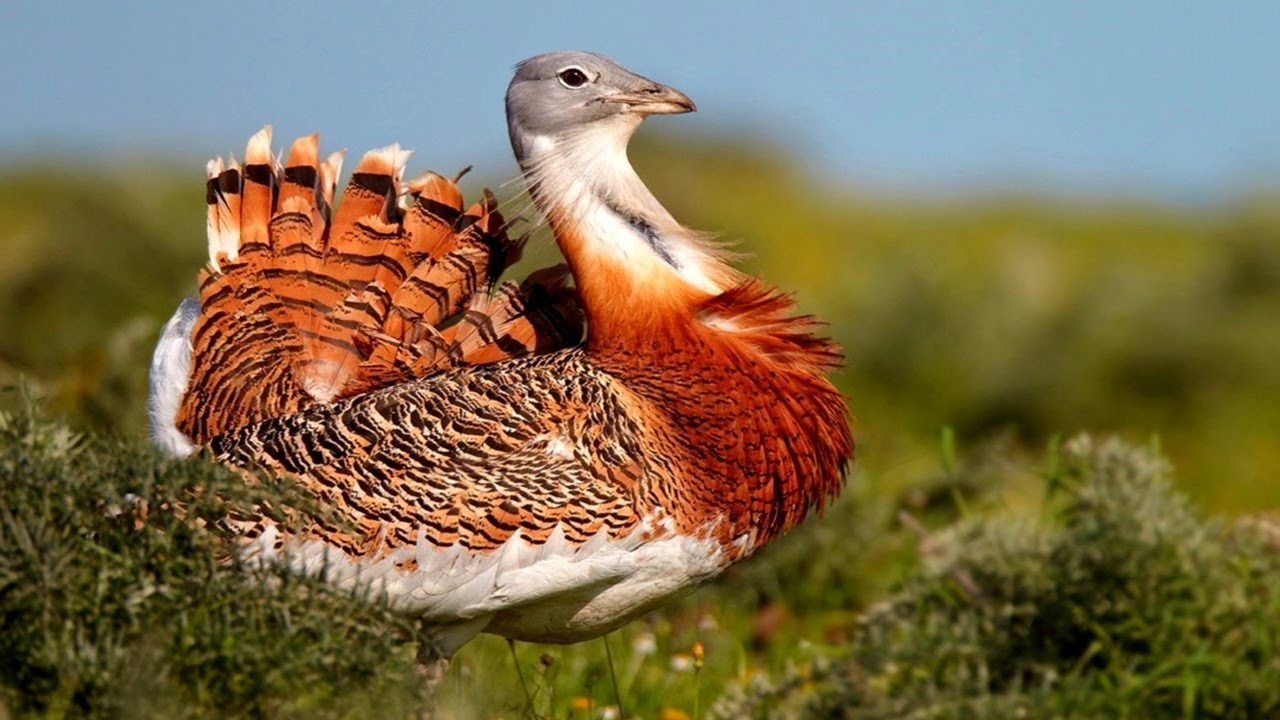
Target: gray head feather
559,93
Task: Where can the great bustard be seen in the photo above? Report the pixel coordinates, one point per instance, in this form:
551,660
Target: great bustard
500,474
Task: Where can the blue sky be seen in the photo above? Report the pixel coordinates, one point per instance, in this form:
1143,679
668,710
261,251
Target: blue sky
1173,99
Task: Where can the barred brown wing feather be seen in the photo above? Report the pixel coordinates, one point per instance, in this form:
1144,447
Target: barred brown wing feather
459,458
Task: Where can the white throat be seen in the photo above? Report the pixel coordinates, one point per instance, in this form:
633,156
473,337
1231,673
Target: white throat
586,179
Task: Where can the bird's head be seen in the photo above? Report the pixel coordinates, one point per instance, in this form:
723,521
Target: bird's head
571,115
562,94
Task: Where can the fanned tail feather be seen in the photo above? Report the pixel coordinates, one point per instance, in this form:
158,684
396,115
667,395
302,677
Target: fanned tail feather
304,303
538,315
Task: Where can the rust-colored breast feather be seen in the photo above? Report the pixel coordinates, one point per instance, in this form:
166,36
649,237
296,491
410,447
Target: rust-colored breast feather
759,435
302,305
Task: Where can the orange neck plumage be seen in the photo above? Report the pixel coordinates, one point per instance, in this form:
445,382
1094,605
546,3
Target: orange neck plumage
737,386
626,298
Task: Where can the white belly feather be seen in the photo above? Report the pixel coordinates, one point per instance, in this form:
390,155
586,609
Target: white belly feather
553,592
170,367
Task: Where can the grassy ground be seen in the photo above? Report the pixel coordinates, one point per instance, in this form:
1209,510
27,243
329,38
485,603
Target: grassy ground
977,330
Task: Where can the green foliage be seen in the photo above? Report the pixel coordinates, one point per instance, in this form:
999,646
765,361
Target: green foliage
1119,602
113,597
92,259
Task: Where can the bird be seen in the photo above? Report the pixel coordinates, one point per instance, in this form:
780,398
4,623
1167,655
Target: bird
542,459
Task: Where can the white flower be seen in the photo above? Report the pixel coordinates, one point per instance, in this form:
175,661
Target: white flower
644,644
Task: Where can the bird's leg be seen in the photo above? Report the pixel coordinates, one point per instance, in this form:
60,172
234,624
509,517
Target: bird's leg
528,698
432,664
436,645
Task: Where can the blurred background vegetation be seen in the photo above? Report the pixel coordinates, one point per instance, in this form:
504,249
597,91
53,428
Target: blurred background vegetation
977,329
1005,315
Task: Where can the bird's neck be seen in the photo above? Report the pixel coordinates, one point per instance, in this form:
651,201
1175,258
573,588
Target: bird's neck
637,270
737,381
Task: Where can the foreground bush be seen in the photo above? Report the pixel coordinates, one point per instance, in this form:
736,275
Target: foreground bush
118,599
112,605
1119,602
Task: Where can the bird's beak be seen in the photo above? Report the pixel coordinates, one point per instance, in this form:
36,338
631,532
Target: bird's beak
653,99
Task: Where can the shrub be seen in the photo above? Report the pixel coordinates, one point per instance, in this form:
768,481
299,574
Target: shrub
118,596
1119,602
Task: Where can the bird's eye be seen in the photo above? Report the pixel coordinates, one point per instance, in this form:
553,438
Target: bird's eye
573,77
